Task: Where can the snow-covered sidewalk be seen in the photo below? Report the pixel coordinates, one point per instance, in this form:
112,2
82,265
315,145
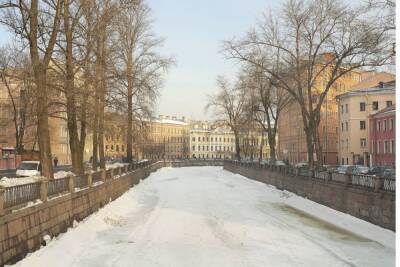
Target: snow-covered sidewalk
205,216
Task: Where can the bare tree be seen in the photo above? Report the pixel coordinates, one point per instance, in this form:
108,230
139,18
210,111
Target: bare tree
139,68
37,22
16,76
317,42
228,104
265,102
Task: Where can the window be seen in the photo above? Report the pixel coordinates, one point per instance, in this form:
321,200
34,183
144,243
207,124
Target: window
212,148
347,126
386,149
389,103
194,148
347,108
375,105
341,107
198,139
384,125
212,139
362,125
362,106
393,147
193,139
363,142
378,148
122,148
379,126
391,124
342,126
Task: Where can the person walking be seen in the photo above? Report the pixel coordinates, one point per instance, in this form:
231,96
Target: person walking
55,161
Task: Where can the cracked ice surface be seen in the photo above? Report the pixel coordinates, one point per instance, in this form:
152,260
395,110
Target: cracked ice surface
205,216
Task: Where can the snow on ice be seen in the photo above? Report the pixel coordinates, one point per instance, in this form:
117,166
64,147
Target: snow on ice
205,216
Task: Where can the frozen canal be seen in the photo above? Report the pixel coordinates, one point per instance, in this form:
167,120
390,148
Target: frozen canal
204,216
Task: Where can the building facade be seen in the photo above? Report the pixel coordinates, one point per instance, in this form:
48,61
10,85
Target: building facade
355,108
253,141
211,141
383,137
167,138
292,144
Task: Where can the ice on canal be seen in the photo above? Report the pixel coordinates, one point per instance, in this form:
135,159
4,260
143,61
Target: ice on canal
205,216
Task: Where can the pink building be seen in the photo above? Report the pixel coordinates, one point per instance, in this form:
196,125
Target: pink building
383,136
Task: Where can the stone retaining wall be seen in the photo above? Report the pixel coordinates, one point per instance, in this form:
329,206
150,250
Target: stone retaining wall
375,207
22,231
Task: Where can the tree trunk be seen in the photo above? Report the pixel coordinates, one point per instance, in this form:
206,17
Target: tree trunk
129,134
272,148
43,121
237,145
71,95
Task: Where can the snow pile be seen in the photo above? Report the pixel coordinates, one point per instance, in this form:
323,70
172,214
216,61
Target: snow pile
63,174
205,216
9,182
115,165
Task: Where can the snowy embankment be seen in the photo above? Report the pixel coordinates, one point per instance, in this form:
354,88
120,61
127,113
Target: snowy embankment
205,216
8,182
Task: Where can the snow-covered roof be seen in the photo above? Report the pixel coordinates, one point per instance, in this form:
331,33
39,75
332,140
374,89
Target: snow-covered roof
169,121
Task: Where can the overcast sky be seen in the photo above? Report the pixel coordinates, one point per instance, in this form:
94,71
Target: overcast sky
193,31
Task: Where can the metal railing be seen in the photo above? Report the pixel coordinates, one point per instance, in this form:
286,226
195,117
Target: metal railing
58,186
360,180
20,195
363,180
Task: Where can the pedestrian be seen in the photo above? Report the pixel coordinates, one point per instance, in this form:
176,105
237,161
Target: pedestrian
55,161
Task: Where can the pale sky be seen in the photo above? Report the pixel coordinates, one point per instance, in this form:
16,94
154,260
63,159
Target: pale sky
194,31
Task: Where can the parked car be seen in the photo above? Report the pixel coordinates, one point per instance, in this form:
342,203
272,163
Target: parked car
343,169
389,173
360,169
301,165
280,163
377,170
29,168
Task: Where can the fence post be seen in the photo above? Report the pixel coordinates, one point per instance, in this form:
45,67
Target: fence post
71,184
378,183
103,175
2,200
90,179
348,179
43,190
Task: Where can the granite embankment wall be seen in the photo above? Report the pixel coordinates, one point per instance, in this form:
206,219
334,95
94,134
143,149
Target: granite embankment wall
372,204
22,230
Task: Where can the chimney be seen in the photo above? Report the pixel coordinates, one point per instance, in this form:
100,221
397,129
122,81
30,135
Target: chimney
329,56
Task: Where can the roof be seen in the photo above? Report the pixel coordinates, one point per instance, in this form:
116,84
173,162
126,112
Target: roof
388,89
169,121
372,79
384,112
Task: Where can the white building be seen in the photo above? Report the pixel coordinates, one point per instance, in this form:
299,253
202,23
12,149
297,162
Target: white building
208,141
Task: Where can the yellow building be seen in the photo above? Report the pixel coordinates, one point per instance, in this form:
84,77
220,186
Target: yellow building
253,140
292,145
211,141
355,107
167,138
